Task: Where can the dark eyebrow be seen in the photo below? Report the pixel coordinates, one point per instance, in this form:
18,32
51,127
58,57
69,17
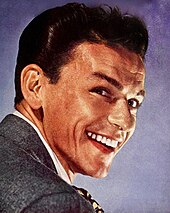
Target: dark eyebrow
142,93
110,80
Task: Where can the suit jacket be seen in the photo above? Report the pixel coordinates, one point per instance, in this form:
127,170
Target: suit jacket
28,180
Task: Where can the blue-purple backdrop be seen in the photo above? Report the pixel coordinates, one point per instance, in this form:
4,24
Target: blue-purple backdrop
139,180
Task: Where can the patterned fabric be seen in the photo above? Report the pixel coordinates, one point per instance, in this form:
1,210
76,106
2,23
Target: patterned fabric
87,196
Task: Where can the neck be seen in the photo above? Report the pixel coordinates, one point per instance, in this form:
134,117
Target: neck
35,116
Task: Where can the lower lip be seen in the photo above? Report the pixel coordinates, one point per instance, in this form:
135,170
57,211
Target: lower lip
102,147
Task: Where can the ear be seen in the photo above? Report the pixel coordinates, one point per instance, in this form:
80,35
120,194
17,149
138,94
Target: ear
31,85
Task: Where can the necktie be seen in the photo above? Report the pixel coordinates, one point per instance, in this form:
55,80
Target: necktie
88,197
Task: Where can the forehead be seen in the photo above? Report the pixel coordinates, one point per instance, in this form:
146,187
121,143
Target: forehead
116,61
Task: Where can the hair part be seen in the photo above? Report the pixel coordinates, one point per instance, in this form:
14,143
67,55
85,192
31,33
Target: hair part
49,38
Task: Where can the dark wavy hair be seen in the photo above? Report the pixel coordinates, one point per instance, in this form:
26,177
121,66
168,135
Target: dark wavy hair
49,38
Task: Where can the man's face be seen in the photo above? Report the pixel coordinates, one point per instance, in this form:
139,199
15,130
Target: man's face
91,112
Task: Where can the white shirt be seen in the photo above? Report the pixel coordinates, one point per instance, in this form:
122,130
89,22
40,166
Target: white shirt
59,168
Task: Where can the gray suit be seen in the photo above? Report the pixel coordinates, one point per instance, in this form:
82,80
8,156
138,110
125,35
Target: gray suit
28,181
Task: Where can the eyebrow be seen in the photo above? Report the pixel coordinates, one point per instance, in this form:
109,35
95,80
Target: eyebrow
142,93
114,82
110,80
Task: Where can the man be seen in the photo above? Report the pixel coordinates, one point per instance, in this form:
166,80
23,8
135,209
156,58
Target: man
79,82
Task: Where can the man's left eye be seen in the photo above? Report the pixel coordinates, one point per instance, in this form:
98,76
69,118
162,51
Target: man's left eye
134,103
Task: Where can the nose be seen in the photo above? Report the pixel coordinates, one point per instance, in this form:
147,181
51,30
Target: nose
121,116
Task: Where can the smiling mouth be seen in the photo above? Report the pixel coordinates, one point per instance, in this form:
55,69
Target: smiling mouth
107,142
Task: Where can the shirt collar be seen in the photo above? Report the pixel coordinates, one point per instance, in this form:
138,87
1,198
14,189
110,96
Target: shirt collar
60,170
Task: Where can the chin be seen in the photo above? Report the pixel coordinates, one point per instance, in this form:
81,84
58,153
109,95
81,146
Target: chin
100,176
97,174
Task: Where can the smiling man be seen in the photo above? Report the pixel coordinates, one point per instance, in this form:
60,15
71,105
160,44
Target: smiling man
79,83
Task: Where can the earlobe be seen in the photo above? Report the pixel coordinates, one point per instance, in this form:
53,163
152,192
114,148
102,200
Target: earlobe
31,85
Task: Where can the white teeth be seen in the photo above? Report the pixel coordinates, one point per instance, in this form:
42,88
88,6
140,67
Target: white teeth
94,136
104,140
89,134
108,142
99,137
114,143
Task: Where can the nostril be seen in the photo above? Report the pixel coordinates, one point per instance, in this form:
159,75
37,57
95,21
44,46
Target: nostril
119,127
123,123
114,123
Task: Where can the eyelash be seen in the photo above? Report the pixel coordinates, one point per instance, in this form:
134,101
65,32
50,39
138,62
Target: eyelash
137,103
100,90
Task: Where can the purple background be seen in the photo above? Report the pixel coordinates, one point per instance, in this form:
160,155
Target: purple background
139,180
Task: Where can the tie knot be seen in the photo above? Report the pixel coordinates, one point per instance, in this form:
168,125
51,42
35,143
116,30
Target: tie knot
84,193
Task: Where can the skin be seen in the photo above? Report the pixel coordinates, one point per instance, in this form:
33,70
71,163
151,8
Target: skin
86,99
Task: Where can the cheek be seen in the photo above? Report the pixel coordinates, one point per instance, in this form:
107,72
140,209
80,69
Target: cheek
92,106
82,107
131,132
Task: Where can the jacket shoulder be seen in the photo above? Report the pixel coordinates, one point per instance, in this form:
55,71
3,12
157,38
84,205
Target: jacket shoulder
28,180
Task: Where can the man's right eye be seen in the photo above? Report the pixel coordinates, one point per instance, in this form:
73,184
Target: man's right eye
101,91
